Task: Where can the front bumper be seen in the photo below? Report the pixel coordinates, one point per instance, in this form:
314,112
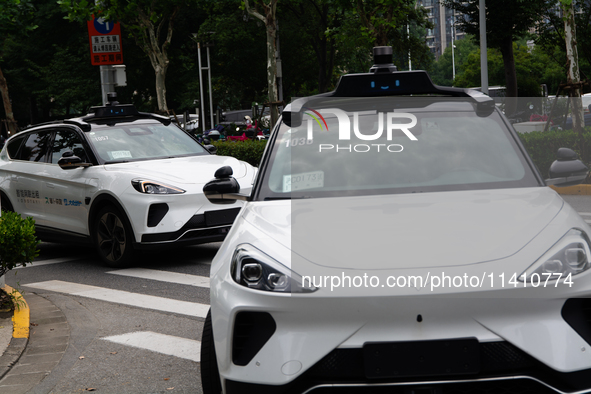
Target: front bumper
209,226
330,354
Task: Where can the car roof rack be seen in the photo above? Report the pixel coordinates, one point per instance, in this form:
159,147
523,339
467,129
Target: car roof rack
383,80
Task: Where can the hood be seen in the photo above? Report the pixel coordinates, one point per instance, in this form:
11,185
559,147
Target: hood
409,230
181,170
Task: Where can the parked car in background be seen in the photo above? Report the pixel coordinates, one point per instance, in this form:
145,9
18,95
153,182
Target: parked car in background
119,179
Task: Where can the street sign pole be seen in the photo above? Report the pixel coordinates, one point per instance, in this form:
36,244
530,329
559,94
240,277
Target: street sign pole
105,51
202,114
107,82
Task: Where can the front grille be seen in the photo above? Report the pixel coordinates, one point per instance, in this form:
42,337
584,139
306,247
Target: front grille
510,386
202,227
495,357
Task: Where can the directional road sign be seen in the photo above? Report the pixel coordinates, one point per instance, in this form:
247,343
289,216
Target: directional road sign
105,42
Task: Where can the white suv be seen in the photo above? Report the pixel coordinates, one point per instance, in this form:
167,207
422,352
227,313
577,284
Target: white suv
119,179
399,239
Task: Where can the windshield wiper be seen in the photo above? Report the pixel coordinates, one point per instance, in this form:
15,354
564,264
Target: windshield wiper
116,161
286,198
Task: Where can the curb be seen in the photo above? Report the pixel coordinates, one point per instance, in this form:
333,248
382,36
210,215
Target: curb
20,334
578,190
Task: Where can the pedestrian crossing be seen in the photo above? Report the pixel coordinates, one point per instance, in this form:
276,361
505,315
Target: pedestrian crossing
165,344
124,297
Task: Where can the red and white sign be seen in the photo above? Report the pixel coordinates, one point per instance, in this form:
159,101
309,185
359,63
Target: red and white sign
105,42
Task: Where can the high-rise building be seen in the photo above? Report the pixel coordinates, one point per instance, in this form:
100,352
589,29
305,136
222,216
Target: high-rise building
443,20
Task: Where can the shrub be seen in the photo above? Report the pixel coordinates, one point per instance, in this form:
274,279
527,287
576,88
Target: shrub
18,244
248,151
542,146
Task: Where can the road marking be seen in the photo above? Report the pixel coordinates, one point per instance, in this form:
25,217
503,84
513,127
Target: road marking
584,213
164,276
124,297
166,344
38,263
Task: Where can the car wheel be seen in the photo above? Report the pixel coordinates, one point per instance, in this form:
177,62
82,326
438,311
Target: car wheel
210,375
5,203
113,237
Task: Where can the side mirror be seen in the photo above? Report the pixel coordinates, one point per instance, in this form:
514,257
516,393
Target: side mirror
68,161
224,189
567,170
211,149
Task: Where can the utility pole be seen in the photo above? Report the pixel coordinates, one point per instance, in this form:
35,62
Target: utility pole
483,54
453,61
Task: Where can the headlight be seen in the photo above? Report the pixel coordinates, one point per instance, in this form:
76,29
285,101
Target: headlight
254,269
151,187
570,255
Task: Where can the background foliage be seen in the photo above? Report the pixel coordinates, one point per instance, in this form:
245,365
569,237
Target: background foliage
50,76
248,151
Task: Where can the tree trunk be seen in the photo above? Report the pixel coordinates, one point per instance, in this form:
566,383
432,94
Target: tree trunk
12,127
270,24
161,88
573,76
510,77
272,71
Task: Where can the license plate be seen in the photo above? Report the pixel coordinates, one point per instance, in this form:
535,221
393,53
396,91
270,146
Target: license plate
421,358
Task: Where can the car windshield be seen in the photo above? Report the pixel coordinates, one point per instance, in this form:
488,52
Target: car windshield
393,145
130,142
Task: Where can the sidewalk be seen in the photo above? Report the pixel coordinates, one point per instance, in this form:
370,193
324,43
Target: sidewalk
30,349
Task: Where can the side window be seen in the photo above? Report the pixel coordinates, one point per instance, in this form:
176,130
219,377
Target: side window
66,140
35,147
13,146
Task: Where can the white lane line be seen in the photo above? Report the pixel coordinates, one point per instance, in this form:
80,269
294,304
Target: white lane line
584,213
160,343
588,221
36,263
164,276
124,297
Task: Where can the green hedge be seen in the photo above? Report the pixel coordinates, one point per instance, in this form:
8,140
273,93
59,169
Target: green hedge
18,244
248,151
542,146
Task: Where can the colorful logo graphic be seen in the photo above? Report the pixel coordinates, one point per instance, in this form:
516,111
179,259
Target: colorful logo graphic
316,118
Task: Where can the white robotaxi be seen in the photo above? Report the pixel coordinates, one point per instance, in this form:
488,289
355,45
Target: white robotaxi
399,239
120,179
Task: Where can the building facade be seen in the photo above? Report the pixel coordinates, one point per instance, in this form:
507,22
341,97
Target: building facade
443,20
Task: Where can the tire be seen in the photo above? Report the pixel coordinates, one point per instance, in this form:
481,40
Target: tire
113,237
5,203
210,374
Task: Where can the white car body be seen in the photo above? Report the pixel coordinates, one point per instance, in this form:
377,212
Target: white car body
65,202
439,262
335,320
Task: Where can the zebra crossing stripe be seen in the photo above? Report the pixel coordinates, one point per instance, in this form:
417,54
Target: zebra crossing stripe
166,344
124,297
38,263
164,276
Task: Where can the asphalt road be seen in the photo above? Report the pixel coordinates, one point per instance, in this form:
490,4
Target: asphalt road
107,366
